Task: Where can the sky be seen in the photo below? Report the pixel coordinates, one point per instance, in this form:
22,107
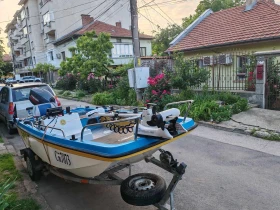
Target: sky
174,11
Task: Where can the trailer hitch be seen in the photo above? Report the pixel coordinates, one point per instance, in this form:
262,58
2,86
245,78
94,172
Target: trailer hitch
168,163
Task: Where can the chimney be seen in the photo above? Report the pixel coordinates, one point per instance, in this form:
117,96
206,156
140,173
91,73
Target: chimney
250,4
119,24
86,19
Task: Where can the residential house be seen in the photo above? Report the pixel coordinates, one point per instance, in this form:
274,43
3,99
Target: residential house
39,23
122,52
223,41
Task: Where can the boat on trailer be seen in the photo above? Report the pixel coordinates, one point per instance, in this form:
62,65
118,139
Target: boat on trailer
89,145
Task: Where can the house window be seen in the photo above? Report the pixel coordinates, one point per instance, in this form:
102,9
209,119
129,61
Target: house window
63,55
143,51
119,40
242,62
46,18
122,51
50,55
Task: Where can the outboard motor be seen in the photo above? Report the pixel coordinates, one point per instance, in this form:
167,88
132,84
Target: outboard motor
40,96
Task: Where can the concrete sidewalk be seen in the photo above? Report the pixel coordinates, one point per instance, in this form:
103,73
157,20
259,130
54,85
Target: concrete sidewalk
258,122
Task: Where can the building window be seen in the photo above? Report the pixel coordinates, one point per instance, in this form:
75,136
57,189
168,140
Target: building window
32,44
34,59
24,31
28,62
143,51
27,12
50,55
47,18
29,28
63,55
122,51
22,14
26,46
119,40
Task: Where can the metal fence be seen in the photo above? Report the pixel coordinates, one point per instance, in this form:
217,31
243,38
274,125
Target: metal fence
227,71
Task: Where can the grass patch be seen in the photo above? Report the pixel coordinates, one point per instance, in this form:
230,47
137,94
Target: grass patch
273,137
7,168
1,139
9,199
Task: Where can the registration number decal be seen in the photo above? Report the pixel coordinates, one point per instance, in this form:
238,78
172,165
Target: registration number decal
62,157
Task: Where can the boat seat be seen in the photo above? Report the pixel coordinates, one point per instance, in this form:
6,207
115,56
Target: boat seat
70,124
41,109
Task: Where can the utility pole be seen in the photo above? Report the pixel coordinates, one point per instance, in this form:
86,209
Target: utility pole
136,43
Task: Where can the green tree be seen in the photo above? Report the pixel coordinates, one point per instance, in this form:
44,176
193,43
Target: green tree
89,55
2,50
215,5
163,37
6,68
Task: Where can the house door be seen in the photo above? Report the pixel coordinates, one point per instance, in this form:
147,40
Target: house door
272,91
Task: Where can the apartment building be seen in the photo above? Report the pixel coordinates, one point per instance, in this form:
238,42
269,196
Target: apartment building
37,29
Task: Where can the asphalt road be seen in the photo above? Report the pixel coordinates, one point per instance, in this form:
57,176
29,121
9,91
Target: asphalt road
226,171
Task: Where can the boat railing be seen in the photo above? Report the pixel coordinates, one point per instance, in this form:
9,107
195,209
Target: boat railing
53,128
136,119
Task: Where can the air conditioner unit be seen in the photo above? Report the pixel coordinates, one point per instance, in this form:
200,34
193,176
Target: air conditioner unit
208,61
58,56
225,59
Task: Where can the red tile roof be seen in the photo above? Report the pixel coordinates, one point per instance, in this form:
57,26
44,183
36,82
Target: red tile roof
232,26
114,31
100,27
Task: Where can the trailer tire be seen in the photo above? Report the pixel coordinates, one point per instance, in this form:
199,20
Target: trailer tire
143,189
32,166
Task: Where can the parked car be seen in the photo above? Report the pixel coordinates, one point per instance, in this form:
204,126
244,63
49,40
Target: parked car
30,79
11,80
18,94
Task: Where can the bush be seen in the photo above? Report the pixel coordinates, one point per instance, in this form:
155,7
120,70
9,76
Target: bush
157,90
80,94
67,82
206,107
60,92
123,94
104,98
67,93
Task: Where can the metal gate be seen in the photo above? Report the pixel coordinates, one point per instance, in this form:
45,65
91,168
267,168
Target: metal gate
273,83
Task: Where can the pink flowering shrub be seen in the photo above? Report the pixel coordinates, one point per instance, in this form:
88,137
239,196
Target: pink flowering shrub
158,90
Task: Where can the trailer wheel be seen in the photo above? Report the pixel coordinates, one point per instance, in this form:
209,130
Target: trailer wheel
143,189
32,166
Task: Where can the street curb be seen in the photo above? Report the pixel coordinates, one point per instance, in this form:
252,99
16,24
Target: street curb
224,128
234,130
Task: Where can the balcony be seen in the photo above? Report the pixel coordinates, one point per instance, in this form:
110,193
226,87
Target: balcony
121,61
49,28
19,58
17,46
23,70
24,39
